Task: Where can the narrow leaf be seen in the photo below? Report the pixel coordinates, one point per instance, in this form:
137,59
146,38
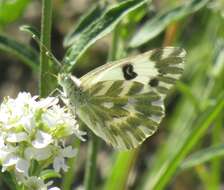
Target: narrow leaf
26,54
155,26
121,169
202,156
87,19
98,29
187,141
48,174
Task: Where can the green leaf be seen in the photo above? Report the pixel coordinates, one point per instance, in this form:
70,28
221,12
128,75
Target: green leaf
98,29
121,169
31,30
48,174
186,142
202,156
155,26
87,19
26,54
9,180
11,10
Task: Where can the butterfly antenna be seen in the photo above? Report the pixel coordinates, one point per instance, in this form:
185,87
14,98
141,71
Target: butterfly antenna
47,51
53,75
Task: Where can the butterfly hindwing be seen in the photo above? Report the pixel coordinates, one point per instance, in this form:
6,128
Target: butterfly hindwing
123,113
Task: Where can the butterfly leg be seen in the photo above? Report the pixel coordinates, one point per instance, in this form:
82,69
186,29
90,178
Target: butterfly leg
56,90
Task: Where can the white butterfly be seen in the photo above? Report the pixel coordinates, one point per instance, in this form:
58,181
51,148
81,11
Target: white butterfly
122,101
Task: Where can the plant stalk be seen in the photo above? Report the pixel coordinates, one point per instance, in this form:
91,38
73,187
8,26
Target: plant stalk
70,175
90,171
114,45
46,22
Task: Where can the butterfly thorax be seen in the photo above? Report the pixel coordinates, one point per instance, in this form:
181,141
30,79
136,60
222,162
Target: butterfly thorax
72,90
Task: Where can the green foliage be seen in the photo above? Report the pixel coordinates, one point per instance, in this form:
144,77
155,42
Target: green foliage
186,141
48,174
119,174
203,156
9,180
25,53
11,10
97,29
87,19
157,24
30,30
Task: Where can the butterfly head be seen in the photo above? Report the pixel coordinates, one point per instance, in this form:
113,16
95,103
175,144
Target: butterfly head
63,79
68,82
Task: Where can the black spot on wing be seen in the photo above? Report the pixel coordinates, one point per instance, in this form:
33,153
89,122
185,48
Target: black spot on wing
154,82
128,71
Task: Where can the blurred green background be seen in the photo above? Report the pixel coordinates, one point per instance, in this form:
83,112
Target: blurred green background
187,151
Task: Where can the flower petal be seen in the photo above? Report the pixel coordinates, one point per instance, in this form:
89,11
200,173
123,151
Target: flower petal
16,137
10,160
59,163
42,139
69,152
37,154
22,166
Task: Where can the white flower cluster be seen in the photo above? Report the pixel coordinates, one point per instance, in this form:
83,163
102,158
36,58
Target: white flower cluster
35,130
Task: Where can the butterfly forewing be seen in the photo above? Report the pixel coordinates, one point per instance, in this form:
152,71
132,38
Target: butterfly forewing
158,67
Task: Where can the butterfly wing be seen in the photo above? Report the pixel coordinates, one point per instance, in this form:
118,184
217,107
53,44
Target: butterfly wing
164,65
125,104
124,115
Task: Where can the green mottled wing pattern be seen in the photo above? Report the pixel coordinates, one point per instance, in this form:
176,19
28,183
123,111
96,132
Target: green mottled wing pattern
124,115
125,98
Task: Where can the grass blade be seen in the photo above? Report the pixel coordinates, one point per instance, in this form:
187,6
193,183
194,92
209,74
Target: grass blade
186,142
121,170
202,156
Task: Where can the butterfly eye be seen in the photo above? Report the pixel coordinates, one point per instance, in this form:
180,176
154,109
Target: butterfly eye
65,77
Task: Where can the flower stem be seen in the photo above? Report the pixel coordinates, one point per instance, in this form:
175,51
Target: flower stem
90,171
46,22
114,45
70,175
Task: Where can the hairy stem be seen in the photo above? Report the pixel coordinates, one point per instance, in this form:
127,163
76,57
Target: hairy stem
46,22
